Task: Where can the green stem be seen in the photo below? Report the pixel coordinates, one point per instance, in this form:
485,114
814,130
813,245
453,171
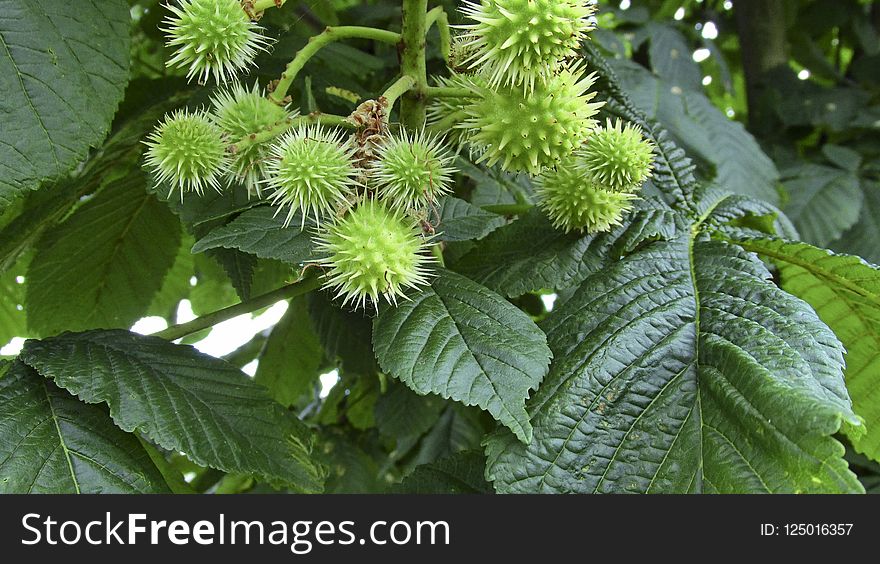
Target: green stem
260,5
396,90
302,286
450,92
321,40
282,126
437,251
413,109
438,15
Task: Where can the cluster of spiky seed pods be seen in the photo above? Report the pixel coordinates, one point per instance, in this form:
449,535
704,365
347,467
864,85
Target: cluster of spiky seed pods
521,101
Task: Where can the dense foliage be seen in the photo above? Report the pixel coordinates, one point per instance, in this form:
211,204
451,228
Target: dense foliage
602,265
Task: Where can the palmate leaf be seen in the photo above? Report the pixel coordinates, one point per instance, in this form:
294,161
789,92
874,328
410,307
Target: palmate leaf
461,473
50,442
183,400
290,361
260,231
845,292
64,66
112,254
464,342
683,368
824,202
738,161
673,169
458,220
529,254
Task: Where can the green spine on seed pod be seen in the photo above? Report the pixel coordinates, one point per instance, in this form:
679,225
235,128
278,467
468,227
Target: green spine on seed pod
520,42
411,170
187,151
212,38
618,158
573,201
240,112
312,171
372,252
532,132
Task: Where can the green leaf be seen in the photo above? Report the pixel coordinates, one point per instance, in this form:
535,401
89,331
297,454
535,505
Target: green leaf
673,170
290,361
824,202
64,67
183,401
459,429
740,166
845,292
52,443
112,255
862,238
457,474
458,220
404,416
460,340
671,57
13,320
683,368
344,334
529,254
117,157
239,266
260,231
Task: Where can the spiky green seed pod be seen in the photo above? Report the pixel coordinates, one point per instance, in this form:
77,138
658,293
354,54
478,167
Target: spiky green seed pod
531,132
519,42
412,170
573,201
618,158
212,38
312,171
240,112
374,251
187,151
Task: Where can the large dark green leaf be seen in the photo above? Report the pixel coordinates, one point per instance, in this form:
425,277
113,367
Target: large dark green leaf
457,474
102,267
290,360
739,164
63,69
260,231
52,443
464,342
529,254
183,400
683,368
845,292
458,220
824,202
862,239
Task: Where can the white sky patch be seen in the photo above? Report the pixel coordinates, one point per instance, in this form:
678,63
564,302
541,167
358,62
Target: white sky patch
804,74
549,301
707,80
147,325
13,347
625,4
251,367
328,380
701,55
710,31
679,14
227,336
